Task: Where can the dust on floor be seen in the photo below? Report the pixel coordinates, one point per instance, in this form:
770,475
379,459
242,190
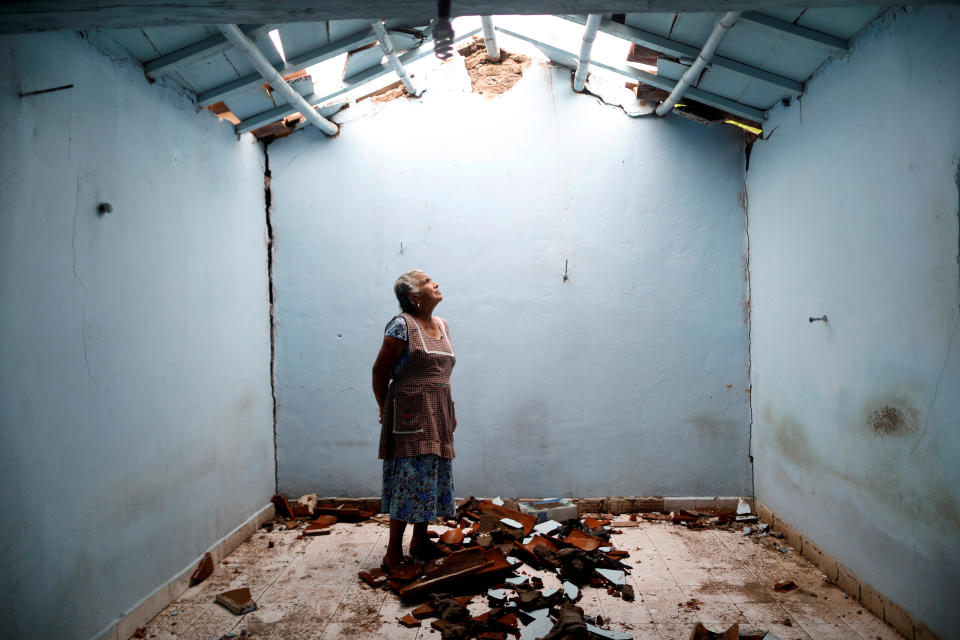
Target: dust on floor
307,588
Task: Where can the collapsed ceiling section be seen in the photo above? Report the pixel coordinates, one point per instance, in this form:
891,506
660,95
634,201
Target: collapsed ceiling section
268,78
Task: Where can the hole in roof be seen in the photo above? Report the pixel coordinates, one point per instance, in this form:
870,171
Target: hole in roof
277,43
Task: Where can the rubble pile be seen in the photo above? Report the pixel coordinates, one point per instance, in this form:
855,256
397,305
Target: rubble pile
484,551
482,555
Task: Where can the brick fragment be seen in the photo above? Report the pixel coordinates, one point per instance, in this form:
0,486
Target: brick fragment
204,569
409,621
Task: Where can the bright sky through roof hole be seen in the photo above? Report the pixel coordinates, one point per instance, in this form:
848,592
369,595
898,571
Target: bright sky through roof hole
328,75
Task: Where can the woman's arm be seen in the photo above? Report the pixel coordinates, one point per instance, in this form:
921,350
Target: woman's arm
390,352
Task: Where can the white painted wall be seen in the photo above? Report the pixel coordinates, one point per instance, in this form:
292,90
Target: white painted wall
854,214
629,379
135,406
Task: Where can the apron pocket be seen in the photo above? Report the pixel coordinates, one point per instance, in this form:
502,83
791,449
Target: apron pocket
408,413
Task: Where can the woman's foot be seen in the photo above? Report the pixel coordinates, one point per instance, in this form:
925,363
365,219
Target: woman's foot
424,550
391,563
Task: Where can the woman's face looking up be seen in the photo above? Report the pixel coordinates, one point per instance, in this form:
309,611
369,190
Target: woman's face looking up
429,291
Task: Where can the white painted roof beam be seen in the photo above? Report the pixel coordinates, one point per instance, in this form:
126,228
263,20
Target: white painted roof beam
682,50
387,45
692,74
816,39
198,51
490,38
583,60
271,75
258,120
310,58
569,59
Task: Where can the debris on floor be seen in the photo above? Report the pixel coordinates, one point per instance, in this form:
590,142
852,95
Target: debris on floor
238,601
305,505
483,550
700,632
314,587
784,585
204,569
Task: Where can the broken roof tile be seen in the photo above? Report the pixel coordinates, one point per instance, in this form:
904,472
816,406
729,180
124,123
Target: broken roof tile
582,540
204,569
409,621
237,600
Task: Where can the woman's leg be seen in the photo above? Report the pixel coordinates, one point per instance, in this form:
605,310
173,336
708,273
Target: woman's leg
421,546
394,556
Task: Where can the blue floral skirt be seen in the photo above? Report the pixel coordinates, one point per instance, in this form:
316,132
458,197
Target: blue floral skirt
418,489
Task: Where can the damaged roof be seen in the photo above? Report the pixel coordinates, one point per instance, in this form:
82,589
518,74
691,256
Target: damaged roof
766,57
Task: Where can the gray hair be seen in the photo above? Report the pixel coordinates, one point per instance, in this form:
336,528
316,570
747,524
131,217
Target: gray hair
405,285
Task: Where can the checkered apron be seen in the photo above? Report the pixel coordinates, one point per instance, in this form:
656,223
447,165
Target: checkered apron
418,414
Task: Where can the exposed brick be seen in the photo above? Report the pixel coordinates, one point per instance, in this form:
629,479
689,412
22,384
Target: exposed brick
811,551
589,505
898,618
648,504
829,566
871,599
677,504
791,535
764,513
848,581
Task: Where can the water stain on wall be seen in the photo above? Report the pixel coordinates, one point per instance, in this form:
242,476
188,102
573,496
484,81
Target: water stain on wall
891,419
878,471
709,426
791,438
891,414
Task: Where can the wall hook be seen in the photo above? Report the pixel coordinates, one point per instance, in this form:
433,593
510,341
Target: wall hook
565,276
822,318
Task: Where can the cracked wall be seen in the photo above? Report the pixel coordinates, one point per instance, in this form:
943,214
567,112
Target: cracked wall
134,346
635,366
854,214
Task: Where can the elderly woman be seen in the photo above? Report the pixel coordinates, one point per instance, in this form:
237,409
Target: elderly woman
411,382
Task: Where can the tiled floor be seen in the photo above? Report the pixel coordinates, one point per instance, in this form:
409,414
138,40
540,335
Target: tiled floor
307,588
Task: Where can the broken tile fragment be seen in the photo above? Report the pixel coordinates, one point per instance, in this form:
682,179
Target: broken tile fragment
784,585
582,540
282,506
314,530
497,594
609,634
409,621
615,576
700,632
593,523
510,522
452,536
204,569
538,628
423,611
374,577
304,505
237,600
572,590
547,527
